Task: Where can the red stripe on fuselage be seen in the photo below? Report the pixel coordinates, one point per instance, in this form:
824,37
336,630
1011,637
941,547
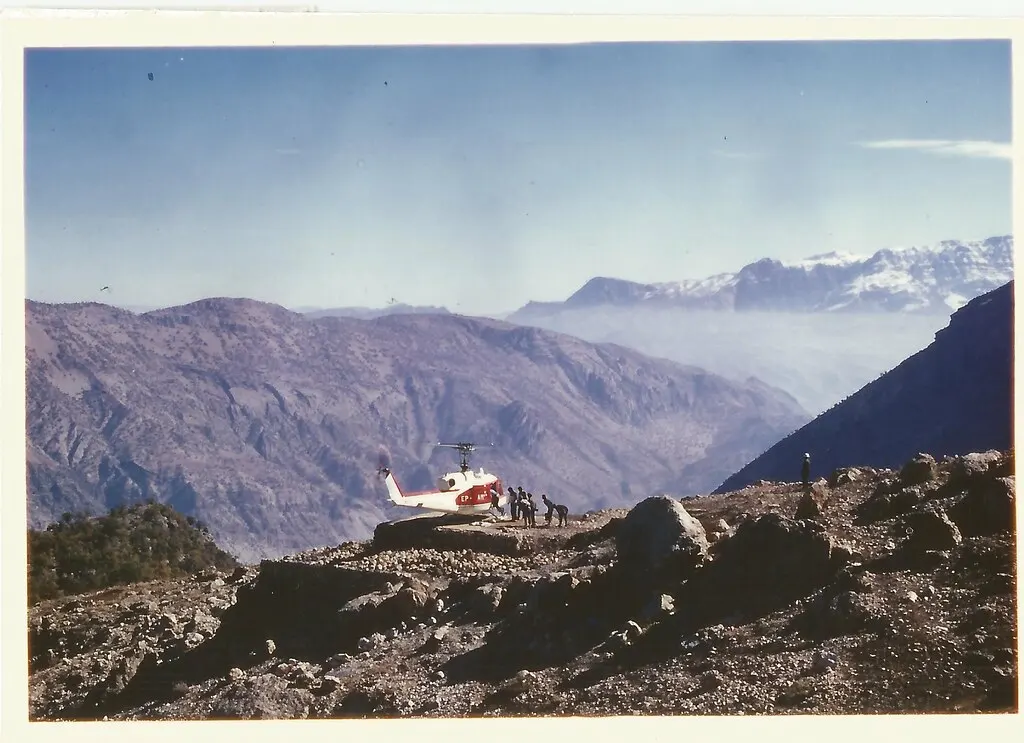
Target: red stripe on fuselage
477,495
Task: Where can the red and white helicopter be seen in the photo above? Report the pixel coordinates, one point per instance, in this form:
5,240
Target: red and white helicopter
462,492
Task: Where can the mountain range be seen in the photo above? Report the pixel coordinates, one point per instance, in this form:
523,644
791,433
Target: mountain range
936,278
819,328
267,425
953,397
933,278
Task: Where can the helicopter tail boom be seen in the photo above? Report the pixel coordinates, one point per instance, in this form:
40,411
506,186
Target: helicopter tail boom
433,500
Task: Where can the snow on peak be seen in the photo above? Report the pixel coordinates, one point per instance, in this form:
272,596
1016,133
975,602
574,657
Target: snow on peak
691,287
835,258
936,277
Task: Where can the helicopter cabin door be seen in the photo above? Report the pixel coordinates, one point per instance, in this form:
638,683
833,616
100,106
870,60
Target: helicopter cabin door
474,496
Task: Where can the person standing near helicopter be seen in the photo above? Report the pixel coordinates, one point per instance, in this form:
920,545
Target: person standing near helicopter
551,508
522,504
531,510
495,505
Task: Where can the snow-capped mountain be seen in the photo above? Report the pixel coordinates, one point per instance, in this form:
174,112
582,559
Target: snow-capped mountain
933,278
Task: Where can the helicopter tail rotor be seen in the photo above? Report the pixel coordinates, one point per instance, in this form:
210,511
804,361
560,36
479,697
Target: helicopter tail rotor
383,460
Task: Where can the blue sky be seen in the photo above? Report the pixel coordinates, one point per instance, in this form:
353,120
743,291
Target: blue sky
480,178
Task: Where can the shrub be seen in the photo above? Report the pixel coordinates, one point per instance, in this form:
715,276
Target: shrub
130,544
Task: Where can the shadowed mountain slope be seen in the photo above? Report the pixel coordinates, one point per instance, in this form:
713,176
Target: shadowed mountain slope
953,397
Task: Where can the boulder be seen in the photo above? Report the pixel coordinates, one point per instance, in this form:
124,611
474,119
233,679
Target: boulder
989,507
812,503
659,533
919,470
380,610
486,599
658,607
362,607
839,614
121,678
930,530
963,470
768,563
844,476
410,600
886,504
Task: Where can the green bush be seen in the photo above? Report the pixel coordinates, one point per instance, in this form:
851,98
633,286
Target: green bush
147,541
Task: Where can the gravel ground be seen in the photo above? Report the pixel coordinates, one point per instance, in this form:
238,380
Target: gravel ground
910,608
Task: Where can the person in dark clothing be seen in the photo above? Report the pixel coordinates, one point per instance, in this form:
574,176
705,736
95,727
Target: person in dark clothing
806,470
521,503
563,514
513,503
494,501
551,508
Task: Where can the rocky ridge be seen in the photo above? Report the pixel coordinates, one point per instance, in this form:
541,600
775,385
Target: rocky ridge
873,591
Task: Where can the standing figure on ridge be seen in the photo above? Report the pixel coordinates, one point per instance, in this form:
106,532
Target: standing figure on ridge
513,503
806,470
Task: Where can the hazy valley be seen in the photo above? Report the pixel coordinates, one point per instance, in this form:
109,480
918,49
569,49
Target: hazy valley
267,424
819,358
953,397
820,328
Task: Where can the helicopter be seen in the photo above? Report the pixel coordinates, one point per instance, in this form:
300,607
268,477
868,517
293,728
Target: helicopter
462,492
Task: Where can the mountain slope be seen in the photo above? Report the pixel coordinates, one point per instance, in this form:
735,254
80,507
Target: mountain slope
930,279
267,425
955,396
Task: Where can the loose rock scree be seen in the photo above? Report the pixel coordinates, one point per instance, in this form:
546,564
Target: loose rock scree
873,591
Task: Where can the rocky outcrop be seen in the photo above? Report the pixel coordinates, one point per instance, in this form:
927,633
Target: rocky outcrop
436,533
768,563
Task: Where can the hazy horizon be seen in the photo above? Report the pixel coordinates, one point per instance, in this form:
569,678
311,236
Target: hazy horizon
480,178
818,358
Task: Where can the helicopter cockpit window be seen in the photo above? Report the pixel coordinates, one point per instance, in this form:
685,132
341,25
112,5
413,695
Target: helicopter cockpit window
451,482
